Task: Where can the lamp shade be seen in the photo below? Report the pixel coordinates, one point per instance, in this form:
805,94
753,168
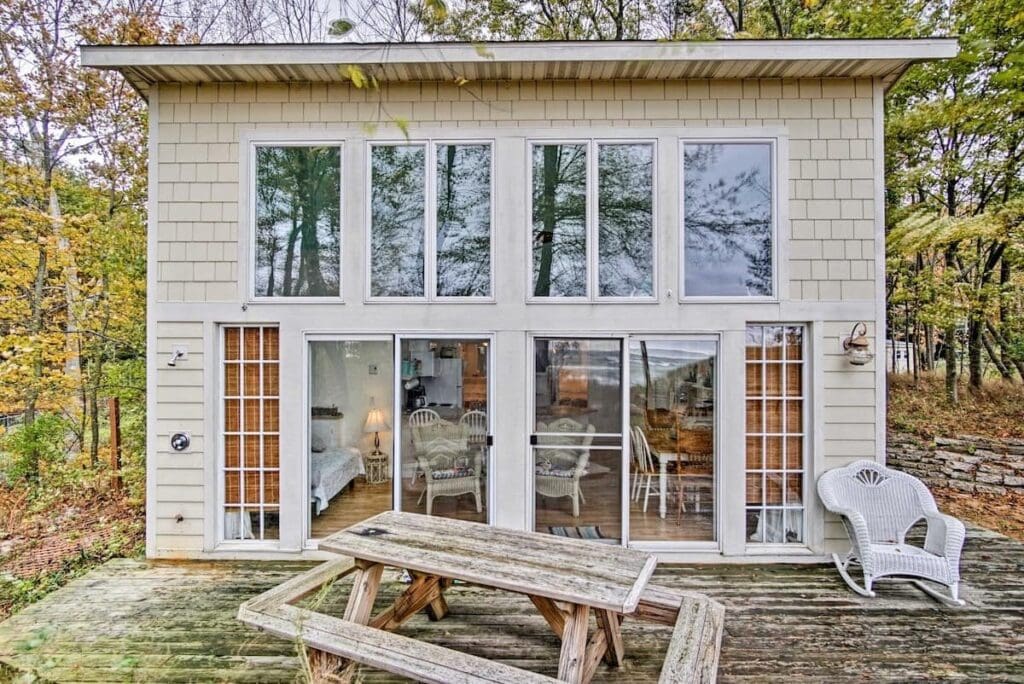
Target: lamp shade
376,421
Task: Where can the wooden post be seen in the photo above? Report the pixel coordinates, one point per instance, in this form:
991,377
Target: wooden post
114,416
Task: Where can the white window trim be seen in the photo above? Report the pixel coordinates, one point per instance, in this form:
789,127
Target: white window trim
779,170
247,250
430,295
592,191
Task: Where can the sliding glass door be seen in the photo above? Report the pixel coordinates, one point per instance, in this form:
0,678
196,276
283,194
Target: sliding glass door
672,409
351,396
444,426
577,437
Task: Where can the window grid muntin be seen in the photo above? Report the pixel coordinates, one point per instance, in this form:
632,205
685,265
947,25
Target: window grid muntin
244,507
591,228
785,472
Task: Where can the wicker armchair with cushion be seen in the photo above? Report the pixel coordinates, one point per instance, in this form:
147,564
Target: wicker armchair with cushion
450,470
558,470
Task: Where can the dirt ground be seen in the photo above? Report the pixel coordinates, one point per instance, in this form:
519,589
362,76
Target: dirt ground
1001,513
40,549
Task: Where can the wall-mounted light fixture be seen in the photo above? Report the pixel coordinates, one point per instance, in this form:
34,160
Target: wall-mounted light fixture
177,354
857,346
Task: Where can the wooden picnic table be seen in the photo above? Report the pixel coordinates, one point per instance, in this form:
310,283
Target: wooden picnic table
582,575
565,579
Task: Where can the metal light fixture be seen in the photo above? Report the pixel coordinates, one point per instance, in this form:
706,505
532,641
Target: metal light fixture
857,346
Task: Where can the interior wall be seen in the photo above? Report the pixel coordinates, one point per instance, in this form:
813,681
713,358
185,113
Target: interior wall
342,374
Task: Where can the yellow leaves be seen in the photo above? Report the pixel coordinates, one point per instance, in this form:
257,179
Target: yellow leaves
437,10
355,74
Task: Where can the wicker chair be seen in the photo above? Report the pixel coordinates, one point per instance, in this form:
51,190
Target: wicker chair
878,507
448,467
558,471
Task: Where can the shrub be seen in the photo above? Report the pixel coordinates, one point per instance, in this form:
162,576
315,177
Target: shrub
29,447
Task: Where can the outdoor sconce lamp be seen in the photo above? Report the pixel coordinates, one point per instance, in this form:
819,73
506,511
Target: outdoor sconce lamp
857,346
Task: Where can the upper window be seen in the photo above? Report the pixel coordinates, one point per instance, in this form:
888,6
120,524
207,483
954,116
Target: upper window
728,219
430,233
592,242
297,221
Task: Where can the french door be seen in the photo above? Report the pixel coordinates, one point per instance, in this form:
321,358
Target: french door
623,439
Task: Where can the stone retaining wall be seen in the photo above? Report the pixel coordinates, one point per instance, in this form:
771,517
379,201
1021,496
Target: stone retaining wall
967,463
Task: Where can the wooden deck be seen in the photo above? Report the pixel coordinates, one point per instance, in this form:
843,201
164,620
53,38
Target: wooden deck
175,622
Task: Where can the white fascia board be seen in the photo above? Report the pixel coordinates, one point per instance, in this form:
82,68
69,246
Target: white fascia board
121,56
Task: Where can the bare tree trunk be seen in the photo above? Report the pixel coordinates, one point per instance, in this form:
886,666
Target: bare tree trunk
547,238
998,362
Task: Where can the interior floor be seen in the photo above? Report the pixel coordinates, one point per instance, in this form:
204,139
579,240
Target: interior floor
362,500
600,511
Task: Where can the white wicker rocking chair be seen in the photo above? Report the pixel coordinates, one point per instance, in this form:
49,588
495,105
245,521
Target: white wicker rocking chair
878,507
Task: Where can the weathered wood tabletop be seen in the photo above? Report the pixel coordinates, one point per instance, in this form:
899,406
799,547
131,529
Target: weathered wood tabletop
576,571
564,578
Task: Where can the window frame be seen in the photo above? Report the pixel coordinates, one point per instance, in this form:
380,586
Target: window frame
260,540
806,440
429,222
250,259
592,193
777,205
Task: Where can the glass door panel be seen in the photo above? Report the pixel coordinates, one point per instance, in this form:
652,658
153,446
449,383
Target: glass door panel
444,427
672,439
351,396
577,437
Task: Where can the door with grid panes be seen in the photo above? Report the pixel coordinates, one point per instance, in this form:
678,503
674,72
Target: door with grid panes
776,404
251,448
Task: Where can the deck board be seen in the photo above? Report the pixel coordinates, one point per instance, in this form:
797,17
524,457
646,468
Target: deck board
175,622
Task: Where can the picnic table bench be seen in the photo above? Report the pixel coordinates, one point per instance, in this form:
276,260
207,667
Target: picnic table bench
565,579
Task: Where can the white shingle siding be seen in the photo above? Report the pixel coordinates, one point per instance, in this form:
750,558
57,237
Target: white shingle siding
830,205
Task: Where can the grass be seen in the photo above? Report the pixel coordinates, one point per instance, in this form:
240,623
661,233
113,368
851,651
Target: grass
996,410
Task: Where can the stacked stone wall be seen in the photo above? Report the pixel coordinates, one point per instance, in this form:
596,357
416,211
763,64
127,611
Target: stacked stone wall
966,463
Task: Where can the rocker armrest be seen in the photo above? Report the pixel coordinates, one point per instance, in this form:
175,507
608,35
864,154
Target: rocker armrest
858,527
945,536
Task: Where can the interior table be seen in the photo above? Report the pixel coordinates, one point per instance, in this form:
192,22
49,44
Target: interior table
565,579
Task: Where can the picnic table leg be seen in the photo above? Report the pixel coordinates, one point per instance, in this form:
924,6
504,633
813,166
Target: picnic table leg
424,592
610,622
571,662
326,667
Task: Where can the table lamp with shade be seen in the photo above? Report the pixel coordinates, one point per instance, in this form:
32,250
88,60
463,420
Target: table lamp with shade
376,422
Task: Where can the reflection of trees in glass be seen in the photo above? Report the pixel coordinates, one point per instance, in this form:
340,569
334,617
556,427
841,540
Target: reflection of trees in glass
625,220
463,220
559,220
728,219
298,221
397,212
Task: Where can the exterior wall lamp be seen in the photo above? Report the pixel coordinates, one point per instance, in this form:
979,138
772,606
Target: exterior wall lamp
857,346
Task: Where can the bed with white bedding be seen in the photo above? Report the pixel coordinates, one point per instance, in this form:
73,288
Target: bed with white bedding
330,472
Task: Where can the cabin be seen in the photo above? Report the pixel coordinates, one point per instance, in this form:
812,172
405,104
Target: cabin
629,292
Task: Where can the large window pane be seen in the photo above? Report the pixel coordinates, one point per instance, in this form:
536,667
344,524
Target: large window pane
625,220
559,220
351,423
672,416
396,224
463,220
727,224
298,221
577,456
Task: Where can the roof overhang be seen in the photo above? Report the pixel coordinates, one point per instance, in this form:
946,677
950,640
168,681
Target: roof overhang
590,60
